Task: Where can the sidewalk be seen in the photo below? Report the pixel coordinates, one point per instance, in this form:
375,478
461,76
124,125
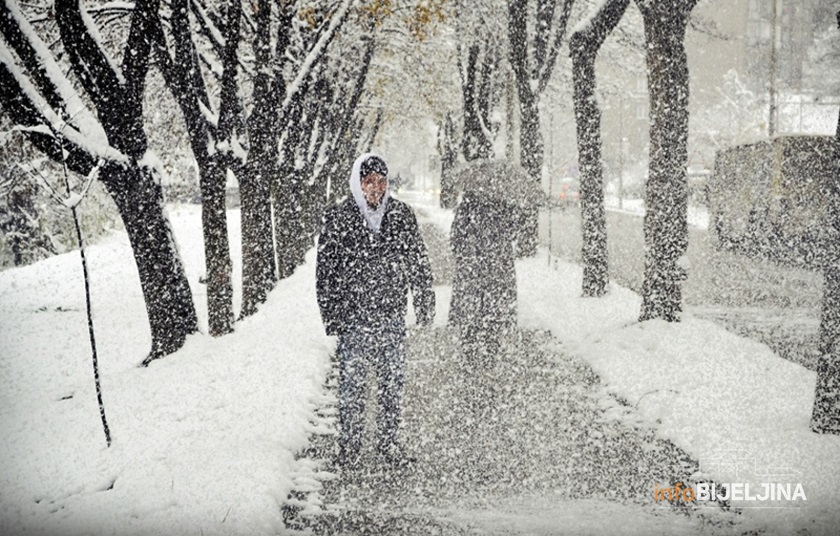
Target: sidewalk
595,412
733,405
550,450
545,457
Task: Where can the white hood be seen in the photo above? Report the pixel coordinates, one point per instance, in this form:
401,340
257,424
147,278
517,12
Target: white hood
373,217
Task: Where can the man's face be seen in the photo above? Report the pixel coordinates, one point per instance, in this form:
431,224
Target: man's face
373,187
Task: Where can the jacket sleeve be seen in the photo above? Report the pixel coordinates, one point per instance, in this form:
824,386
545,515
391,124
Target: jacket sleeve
420,274
326,275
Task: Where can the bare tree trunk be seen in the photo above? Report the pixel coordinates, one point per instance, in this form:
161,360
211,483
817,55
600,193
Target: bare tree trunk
319,120
289,193
266,177
258,270
531,142
510,120
212,178
258,275
183,78
476,87
287,220
666,197
169,304
448,154
584,45
826,414
531,80
118,100
212,168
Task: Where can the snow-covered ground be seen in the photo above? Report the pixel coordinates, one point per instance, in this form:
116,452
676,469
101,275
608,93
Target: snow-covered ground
698,215
204,440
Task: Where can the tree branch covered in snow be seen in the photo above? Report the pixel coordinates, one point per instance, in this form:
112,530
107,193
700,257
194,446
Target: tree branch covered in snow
315,54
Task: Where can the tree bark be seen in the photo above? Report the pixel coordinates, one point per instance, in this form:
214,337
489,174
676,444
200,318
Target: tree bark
288,195
825,417
272,107
136,193
666,200
476,89
183,78
530,141
324,121
169,304
259,273
531,80
217,262
448,155
319,121
22,111
583,46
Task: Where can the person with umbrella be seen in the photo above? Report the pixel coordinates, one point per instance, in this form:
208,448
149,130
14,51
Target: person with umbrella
484,232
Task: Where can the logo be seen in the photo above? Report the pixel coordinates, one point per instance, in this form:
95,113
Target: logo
733,491
750,481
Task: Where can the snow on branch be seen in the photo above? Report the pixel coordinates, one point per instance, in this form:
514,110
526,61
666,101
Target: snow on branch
586,22
212,63
73,198
154,165
112,7
93,32
41,129
315,54
28,168
54,122
79,115
551,60
209,116
208,25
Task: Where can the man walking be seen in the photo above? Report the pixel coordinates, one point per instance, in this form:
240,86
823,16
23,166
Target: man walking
370,253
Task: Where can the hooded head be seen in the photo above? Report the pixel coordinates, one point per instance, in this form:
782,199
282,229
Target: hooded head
369,185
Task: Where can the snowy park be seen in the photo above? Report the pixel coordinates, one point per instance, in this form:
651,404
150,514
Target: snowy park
213,439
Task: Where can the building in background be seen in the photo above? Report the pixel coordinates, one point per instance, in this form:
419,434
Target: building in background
729,46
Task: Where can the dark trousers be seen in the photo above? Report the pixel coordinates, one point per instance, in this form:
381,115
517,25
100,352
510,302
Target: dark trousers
384,350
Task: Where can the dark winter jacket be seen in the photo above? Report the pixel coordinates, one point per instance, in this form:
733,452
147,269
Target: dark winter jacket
484,286
363,277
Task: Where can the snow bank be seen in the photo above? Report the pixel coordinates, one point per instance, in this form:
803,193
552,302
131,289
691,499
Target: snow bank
203,440
739,409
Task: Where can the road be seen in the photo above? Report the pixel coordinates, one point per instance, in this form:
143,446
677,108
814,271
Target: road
774,304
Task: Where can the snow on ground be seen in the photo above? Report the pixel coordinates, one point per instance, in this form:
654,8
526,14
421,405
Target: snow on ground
204,440
547,516
736,407
698,215
739,409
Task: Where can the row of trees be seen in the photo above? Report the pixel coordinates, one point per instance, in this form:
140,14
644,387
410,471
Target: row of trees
286,116
274,94
665,224
535,31
529,35
270,94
